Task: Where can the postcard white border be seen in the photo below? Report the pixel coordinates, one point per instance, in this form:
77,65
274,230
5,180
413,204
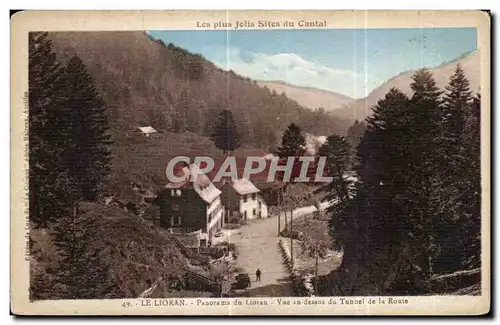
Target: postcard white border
24,22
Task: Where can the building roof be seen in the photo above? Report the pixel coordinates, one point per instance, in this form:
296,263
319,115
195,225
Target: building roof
147,129
192,177
269,156
243,186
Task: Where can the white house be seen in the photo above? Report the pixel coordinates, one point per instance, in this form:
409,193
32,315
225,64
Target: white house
241,196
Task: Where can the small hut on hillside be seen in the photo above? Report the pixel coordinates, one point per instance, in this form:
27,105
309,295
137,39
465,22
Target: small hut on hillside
147,131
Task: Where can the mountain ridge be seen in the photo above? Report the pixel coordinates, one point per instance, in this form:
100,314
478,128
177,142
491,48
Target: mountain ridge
310,97
361,108
303,87
350,109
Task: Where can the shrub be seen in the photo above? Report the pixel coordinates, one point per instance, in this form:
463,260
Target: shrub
231,247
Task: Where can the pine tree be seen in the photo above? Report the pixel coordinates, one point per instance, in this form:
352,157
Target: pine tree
426,198
88,157
385,142
452,236
225,133
180,119
81,271
49,187
355,132
293,143
369,226
457,102
337,152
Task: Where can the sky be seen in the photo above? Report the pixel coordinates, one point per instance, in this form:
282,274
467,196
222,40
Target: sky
352,62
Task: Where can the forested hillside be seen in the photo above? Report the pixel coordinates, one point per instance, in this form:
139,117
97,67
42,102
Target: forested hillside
147,82
96,261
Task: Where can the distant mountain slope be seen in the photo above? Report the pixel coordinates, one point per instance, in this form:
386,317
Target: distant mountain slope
309,97
312,98
361,108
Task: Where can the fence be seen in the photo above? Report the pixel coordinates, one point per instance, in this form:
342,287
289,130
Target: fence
302,286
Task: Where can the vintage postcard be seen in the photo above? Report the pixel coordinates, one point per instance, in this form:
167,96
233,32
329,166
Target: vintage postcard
250,163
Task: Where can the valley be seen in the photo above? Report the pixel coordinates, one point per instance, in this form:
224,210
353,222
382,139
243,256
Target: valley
126,104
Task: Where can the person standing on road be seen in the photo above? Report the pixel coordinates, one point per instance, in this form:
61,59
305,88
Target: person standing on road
258,273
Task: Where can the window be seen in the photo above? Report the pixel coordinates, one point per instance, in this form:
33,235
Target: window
254,212
178,192
175,192
254,196
175,207
172,192
244,198
175,221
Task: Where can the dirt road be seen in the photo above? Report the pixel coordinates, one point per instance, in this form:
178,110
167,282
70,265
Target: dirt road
257,243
